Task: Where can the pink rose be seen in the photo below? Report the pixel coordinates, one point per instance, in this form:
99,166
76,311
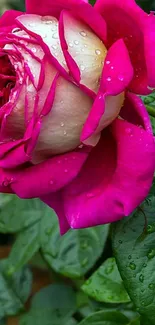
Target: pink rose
73,131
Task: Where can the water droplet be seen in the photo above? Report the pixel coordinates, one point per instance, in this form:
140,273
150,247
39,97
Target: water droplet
54,47
121,78
59,161
80,146
128,130
120,241
34,50
109,79
10,270
107,62
15,30
143,303
51,182
151,254
84,262
98,52
151,286
129,257
82,67
83,33
62,124
76,42
7,181
88,281
144,265
132,266
112,68
55,35
141,278
48,20
48,231
31,24
151,228
85,45
109,269
64,63
65,132
89,195
70,44
84,244
66,170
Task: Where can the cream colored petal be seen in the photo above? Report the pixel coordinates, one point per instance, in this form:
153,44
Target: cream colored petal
112,109
47,28
87,50
62,127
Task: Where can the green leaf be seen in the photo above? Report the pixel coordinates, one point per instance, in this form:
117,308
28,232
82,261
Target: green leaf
134,249
105,318
149,102
153,123
71,321
14,290
17,214
2,321
135,321
53,305
106,285
74,253
25,246
92,2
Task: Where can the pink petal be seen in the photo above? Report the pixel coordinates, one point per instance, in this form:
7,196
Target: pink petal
55,201
134,111
149,41
50,7
115,179
116,76
94,117
48,176
7,20
117,71
80,8
126,20
15,157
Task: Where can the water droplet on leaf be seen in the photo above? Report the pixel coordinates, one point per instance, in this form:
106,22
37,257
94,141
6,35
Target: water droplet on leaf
132,266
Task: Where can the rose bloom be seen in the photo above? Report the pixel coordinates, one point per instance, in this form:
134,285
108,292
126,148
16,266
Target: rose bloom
74,131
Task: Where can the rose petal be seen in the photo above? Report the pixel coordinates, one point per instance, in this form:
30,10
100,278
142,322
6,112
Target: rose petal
48,176
47,28
117,71
54,200
50,7
61,128
82,47
7,20
134,111
125,19
104,111
80,8
115,179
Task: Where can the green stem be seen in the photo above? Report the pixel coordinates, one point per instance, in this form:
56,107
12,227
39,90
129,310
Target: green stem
150,110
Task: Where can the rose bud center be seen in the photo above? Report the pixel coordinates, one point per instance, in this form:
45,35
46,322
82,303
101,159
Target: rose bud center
61,127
